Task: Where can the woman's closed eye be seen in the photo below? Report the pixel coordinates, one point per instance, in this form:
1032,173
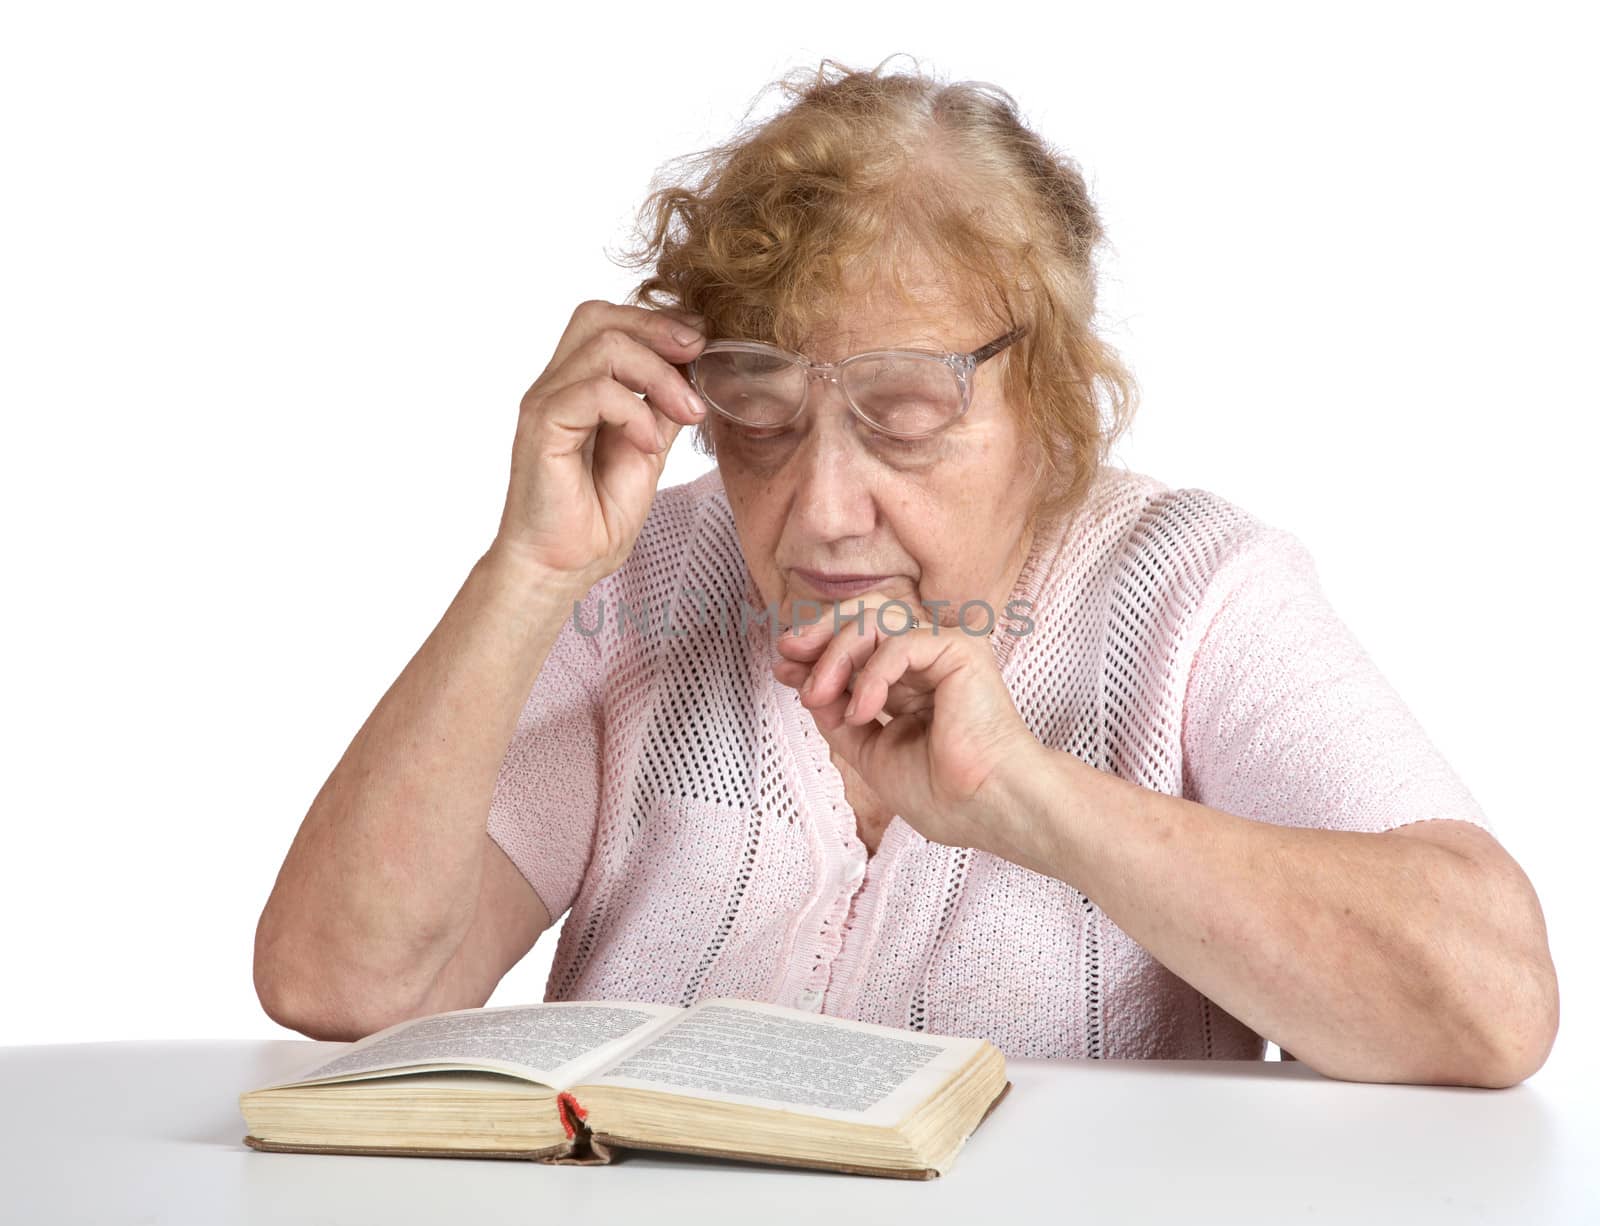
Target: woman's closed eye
876,437
908,452
771,446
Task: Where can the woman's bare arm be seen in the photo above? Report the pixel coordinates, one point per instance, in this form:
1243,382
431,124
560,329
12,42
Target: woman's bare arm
393,902
510,917
1417,954
392,869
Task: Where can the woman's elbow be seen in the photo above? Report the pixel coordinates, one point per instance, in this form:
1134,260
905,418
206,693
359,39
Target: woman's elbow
1511,977
300,995
1526,1027
1519,1000
289,1000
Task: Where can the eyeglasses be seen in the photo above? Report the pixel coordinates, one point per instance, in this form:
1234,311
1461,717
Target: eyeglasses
904,393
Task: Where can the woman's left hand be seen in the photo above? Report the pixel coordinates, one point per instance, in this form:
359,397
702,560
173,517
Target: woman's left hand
952,730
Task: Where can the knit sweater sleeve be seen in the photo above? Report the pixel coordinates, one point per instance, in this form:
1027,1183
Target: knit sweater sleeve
546,799
1286,719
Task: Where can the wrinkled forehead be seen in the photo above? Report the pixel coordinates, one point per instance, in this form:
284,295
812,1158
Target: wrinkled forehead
894,308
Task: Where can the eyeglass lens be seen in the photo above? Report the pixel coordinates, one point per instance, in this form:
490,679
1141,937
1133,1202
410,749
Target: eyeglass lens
896,393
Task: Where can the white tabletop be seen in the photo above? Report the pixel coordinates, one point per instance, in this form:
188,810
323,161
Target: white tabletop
150,1132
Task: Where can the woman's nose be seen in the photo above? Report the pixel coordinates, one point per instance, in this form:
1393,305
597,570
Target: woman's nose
832,484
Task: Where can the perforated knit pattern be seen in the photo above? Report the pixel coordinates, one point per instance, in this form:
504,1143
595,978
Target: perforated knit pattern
683,804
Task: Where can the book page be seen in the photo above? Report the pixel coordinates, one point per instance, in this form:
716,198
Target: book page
772,1056
552,1043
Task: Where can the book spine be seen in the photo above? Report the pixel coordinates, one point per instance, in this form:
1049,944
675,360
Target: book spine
583,1149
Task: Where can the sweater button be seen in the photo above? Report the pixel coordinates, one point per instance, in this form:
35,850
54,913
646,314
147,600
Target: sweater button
810,1000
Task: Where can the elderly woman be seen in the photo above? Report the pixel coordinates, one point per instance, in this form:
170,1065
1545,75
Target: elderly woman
914,709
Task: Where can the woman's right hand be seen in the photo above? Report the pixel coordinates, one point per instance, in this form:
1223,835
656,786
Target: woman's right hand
588,452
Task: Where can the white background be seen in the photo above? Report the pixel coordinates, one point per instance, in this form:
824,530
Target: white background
274,280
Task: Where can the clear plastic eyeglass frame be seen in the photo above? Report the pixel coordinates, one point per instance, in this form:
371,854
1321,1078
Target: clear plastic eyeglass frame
963,364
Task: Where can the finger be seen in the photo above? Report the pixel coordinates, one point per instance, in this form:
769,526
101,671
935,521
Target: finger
909,698
898,677
864,745
852,645
806,640
791,673
843,651
637,367
903,699
572,415
662,330
901,676
684,313
803,643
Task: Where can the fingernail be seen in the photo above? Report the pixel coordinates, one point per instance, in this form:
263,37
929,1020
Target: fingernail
685,336
695,407
850,708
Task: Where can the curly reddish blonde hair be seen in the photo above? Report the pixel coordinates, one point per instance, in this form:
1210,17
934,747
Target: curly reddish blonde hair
762,235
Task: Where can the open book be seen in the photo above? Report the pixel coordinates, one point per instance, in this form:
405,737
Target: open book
573,1081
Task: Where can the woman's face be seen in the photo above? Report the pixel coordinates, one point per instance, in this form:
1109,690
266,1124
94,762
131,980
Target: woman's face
942,518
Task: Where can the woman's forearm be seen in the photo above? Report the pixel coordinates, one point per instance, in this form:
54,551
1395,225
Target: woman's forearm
381,882
1373,957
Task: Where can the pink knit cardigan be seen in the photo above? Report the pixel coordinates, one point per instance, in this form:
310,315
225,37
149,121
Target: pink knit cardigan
682,803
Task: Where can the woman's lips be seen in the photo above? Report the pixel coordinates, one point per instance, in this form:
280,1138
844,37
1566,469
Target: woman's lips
837,587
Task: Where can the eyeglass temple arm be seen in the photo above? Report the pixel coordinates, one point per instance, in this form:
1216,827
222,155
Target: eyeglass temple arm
995,346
